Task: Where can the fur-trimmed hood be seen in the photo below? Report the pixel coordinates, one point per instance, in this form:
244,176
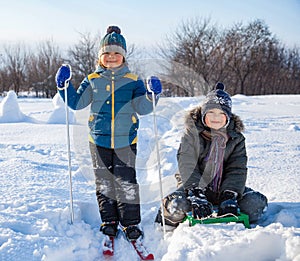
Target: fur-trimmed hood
195,148
193,119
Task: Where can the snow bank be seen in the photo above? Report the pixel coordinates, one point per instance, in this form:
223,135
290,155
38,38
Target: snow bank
58,116
34,192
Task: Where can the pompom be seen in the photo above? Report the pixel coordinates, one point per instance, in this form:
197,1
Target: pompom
220,86
113,28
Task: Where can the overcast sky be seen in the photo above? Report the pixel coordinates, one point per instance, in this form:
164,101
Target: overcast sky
142,22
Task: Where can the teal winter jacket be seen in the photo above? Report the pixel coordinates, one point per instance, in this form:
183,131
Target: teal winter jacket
116,98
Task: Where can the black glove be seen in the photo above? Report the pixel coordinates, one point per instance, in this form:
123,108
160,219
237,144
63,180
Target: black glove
228,203
200,206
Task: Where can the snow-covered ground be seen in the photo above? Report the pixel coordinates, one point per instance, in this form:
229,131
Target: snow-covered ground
35,196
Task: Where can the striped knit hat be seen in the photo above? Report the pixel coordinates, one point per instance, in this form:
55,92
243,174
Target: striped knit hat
113,41
219,99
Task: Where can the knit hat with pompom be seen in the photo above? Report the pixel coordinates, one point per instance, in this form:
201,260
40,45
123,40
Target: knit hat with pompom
218,99
113,41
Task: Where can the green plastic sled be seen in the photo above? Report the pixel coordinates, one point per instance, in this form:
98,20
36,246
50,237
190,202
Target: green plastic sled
241,218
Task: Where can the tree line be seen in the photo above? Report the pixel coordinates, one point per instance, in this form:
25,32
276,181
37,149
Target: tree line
248,59
33,70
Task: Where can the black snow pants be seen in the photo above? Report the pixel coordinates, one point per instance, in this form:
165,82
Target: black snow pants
117,190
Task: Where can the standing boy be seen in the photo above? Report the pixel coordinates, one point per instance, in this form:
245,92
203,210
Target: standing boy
116,97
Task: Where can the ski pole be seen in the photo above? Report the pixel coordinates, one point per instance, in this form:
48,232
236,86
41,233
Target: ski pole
158,161
66,85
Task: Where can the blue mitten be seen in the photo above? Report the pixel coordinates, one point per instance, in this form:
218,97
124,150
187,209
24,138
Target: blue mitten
63,76
153,85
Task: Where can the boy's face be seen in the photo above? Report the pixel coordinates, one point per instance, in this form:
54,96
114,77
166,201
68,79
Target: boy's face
111,60
215,119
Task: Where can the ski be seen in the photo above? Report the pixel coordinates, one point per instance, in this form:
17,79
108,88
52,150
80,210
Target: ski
137,245
141,250
108,246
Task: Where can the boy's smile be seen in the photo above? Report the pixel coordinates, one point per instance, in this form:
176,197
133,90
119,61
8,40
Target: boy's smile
215,119
111,60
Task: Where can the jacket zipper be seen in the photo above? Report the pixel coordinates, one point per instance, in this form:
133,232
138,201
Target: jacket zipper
113,111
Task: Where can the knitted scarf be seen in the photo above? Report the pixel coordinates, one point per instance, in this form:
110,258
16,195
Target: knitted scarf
213,171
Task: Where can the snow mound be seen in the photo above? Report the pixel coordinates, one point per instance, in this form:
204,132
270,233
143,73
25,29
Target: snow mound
58,116
10,111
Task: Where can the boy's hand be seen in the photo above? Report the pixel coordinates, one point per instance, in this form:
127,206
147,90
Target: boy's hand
153,85
63,76
201,207
228,203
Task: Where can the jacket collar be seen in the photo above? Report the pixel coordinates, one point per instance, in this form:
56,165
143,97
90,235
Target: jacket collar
116,72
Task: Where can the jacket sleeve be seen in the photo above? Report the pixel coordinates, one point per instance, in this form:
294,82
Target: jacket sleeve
187,157
235,167
81,98
141,102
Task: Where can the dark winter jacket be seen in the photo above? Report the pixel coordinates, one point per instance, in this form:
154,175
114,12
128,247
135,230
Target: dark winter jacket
116,97
194,148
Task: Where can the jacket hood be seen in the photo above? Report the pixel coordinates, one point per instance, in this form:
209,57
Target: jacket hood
193,119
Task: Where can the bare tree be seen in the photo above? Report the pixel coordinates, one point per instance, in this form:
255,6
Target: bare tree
15,58
83,56
136,59
249,59
4,81
42,68
194,47
248,47
291,72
